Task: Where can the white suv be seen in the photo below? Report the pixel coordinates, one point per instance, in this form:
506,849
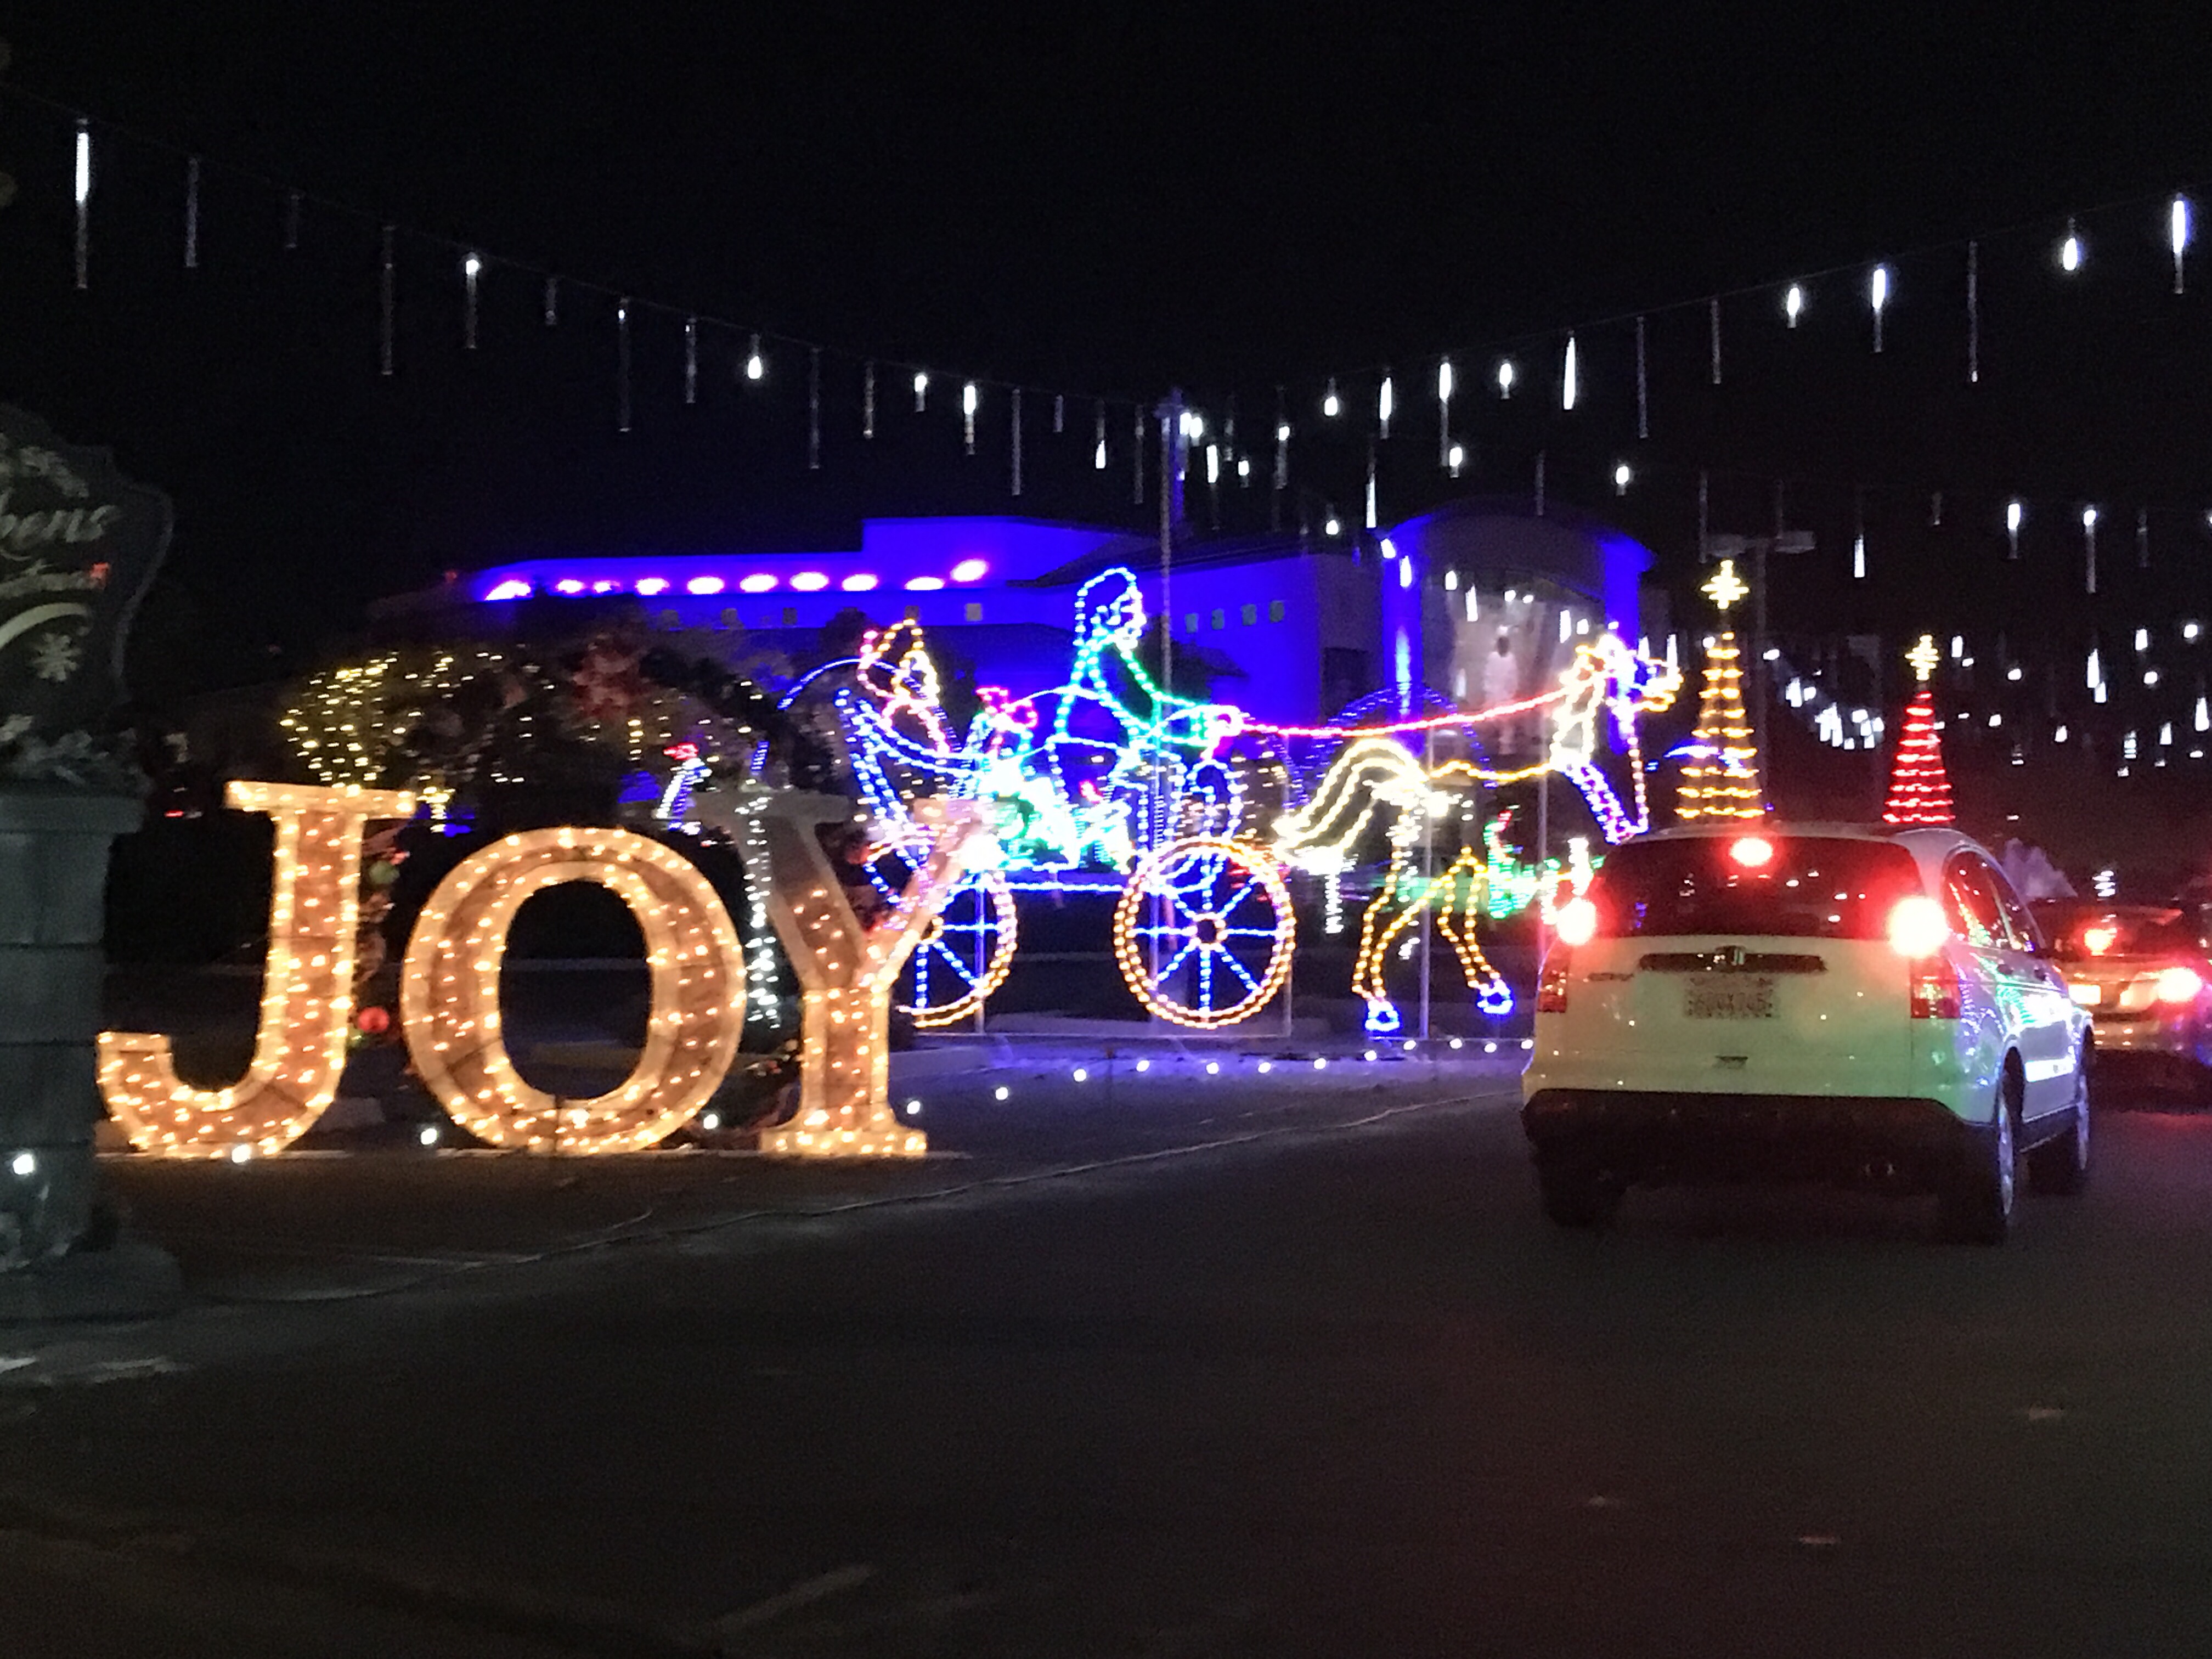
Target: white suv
1811,1000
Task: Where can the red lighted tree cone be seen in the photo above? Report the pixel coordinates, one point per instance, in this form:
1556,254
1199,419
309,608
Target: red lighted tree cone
1919,789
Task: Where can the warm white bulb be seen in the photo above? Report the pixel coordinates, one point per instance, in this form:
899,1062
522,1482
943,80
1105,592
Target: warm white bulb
968,398
2178,225
1793,304
2013,514
1568,390
1878,287
1332,525
1384,400
1331,404
1621,478
1444,381
1506,378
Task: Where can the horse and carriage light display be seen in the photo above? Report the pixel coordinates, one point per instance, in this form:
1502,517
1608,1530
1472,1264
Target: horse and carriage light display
1195,819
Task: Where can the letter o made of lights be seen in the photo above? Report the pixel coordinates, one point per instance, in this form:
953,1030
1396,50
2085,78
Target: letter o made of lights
449,992
1221,903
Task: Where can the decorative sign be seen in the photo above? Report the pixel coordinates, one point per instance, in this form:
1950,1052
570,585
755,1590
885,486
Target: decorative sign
449,983
78,546
307,998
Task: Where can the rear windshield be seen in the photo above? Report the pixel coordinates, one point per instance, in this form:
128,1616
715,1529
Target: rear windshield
1805,887
2085,931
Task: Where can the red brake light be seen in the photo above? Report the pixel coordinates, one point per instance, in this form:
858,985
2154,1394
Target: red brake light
1935,988
1917,926
1552,983
1577,922
1752,852
2178,985
2099,939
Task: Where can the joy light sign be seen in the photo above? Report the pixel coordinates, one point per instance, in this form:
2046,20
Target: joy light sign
449,985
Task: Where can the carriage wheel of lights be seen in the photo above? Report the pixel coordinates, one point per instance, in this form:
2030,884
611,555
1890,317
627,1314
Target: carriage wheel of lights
965,951
1225,933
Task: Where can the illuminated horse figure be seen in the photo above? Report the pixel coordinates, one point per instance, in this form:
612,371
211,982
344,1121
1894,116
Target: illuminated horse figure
1376,773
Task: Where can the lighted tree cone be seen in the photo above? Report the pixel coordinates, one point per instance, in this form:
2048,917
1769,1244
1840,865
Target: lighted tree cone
449,992
1919,788
307,998
847,970
1722,781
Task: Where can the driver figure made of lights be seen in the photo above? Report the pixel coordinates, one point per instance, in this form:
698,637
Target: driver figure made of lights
1124,764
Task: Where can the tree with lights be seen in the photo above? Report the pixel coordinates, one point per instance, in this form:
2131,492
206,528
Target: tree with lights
1919,789
1721,779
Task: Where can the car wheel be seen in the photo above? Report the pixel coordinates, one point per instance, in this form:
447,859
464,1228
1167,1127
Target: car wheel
2060,1167
1577,1193
1978,1203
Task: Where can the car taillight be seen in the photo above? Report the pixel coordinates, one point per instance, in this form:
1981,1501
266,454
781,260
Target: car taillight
1935,989
1917,926
1577,922
2178,985
1552,983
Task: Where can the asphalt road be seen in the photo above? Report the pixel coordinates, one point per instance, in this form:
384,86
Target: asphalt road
1299,1380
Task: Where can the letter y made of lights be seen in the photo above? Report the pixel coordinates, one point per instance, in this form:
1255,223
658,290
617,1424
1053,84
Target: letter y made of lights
847,969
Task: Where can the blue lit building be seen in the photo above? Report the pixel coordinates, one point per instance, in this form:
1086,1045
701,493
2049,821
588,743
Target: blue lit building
1292,629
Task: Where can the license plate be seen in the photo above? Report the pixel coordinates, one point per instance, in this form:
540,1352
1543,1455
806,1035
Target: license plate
1729,999
2087,996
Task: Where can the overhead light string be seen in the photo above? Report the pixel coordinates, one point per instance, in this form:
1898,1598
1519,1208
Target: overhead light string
814,408
387,295
1642,386
191,213
85,206
622,364
1974,314
552,302
868,398
690,361
1059,413
471,267
1444,411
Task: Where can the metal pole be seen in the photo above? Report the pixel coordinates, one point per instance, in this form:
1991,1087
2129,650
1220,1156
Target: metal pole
1428,874
1170,417
1757,676
1543,852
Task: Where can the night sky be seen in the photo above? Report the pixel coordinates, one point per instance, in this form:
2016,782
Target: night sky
1110,201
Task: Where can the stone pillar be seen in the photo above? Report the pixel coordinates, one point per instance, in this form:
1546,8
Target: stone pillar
54,1261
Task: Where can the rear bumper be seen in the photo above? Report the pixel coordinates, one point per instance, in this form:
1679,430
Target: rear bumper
1654,1137
2144,1036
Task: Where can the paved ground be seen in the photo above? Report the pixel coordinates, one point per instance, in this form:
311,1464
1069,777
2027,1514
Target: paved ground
1263,1366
